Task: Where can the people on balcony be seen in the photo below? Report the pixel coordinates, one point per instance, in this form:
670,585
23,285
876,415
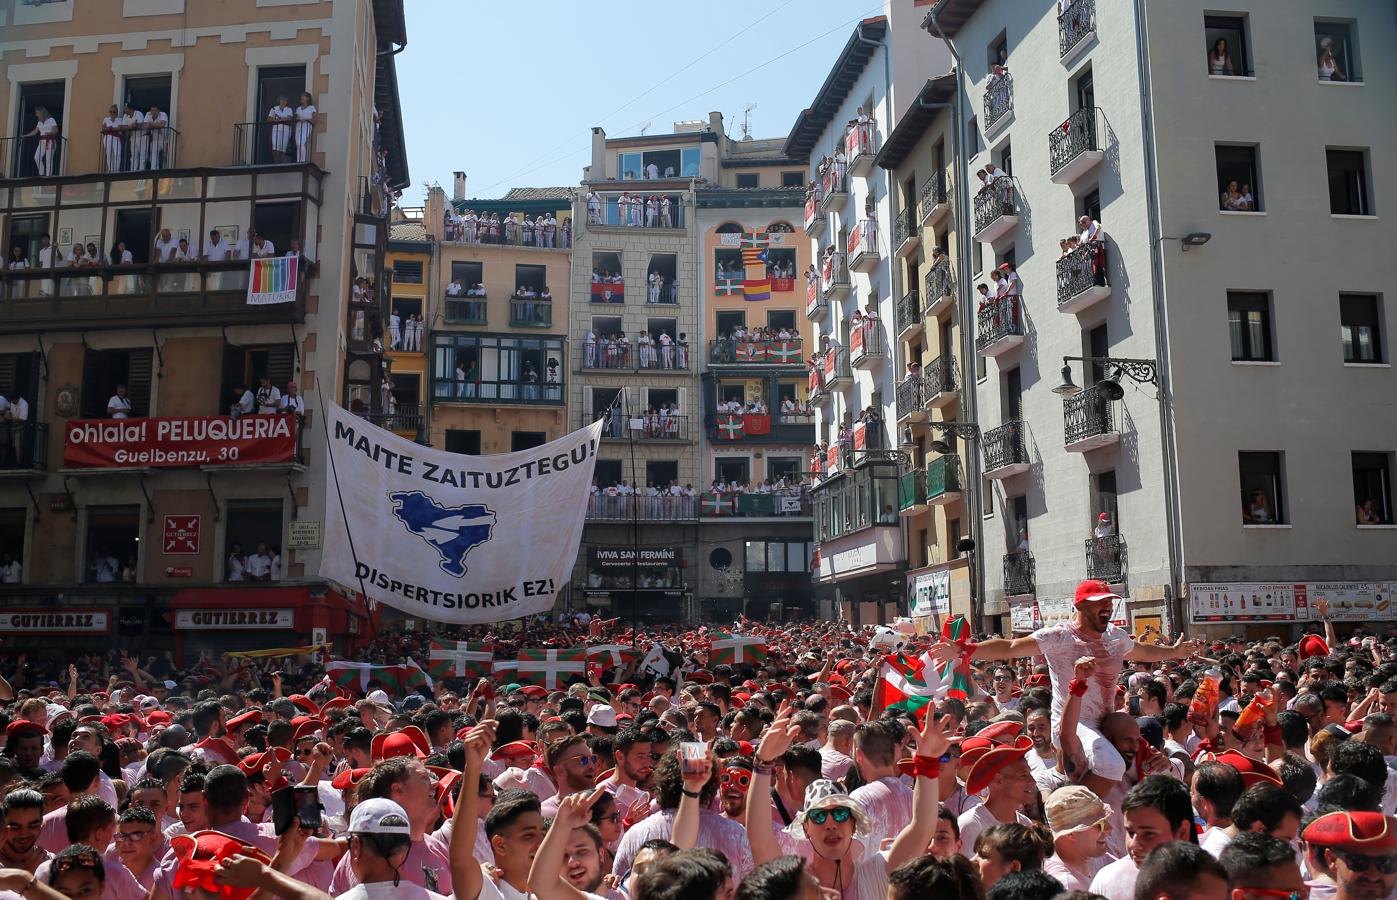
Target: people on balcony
1219,60
992,176
795,411
1257,511
861,126
1104,527
15,416
280,118
593,208
1237,199
1009,284
292,401
305,127
112,129
1327,65
999,71
47,131
1367,512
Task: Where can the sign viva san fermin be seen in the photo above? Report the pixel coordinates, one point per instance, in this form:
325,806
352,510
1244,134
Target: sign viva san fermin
453,538
176,441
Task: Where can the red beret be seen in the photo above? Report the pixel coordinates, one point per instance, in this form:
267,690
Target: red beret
257,761
24,728
1365,833
199,855
305,703
513,751
1253,771
535,691
1038,680
409,741
158,717
1001,732
336,703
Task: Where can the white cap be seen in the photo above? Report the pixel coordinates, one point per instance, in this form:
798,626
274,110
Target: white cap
380,697
603,716
171,685
379,815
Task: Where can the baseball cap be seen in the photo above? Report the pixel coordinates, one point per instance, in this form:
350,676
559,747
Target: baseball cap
379,815
602,717
380,697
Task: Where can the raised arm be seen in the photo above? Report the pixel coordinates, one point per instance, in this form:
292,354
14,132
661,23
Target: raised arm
1180,649
546,875
777,739
466,876
932,744
995,648
686,820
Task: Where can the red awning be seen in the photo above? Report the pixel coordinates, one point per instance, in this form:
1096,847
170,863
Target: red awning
243,597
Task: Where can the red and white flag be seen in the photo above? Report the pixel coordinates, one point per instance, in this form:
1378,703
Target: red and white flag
551,668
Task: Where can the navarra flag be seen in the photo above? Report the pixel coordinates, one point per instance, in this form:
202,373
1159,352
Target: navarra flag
731,427
459,659
716,504
956,673
397,680
612,656
550,668
734,649
901,685
756,423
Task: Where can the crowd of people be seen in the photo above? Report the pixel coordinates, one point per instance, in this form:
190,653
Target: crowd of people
542,230
759,762
635,210
651,351
262,564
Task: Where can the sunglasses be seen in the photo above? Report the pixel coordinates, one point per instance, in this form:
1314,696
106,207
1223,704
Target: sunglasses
586,759
1241,893
948,757
1358,861
740,777
840,814
85,860
122,837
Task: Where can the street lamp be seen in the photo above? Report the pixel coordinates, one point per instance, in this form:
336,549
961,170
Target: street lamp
966,431
1142,371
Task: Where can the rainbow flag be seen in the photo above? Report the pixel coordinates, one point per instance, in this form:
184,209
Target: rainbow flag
272,279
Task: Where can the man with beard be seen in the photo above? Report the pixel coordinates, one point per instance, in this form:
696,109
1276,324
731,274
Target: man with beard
24,742
1042,759
573,767
634,775
733,785
1088,634
213,746
19,842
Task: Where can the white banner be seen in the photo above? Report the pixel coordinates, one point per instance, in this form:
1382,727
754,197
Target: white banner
453,538
931,593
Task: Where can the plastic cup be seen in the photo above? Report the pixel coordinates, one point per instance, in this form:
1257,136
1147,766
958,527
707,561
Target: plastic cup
693,756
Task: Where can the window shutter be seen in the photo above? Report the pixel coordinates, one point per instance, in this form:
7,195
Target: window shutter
8,371
281,365
138,377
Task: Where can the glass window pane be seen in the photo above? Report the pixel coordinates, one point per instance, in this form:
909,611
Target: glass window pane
279,183
130,190
689,162
179,188
84,192
756,556
795,557
1234,322
230,185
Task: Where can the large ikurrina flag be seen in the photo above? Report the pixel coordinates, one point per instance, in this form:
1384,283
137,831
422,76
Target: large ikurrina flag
460,539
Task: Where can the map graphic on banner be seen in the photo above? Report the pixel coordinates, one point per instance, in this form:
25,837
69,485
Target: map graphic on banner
453,538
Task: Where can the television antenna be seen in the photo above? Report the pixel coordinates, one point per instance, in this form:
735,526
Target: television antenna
747,121
644,128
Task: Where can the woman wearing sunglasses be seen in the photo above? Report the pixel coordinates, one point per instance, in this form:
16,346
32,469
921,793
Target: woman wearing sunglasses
833,831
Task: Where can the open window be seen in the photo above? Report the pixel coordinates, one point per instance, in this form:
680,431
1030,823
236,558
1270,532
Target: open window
730,320
460,440
33,97
273,83
608,284
662,278
1239,179
607,326
469,275
1263,485
526,440
1228,52
777,319
533,277
253,529
607,472
787,467
781,269
661,472
730,469
113,543
1372,488
1348,182
1336,51
245,367
106,370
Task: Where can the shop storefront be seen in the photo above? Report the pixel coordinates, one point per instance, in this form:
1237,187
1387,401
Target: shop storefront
867,572
1258,609
228,619
635,583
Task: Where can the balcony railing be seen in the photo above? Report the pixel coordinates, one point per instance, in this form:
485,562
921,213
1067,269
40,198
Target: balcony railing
834,274
834,186
24,446
814,198
863,243
629,356
1018,573
939,283
473,389
911,490
866,343
999,100
906,229
141,151
932,195
996,321
943,476
744,352
1081,271
911,398
1074,25
538,236
909,311
530,313
836,367
620,425
1087,415
1106,556
666,508
31,157
993,201
940,376
404,417
466,312
816,307
637,210
1080,133
263,144
1005,447
754,504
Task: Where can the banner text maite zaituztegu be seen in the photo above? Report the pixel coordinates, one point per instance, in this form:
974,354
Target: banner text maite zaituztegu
436,474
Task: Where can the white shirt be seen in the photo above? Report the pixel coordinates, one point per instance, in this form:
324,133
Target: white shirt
405,890
165,250
47,127
268,399
216,252
1117,881
10,574
265,250
120,406
259,565
48,256
974,821
19,410
1062,645
246,403
296,404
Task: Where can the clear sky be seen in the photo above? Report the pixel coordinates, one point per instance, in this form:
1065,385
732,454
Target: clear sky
508,91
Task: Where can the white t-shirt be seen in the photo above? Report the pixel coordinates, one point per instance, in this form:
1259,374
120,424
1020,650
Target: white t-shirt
1117,881
120,406
216,252
1062,645
974,821
258,565
1214,840
385,890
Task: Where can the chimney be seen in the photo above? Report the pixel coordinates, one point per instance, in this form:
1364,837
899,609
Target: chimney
598,167
458,187
715,122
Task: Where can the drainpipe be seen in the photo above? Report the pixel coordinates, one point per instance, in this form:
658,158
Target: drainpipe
1168,435
964,225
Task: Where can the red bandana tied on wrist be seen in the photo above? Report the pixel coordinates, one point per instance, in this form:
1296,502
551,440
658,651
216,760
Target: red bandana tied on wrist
924,766
957,672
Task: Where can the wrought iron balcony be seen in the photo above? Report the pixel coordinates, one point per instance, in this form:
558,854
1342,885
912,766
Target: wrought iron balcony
940,289
1074,147
405,417
31,157
911,492
834,275
630,356
1018,573
999,101
837,375
860,147
943,479
909,315
141,151
744,352
996,212
530,313
1090,420
619,425
863,246
1106,558
1081,278
460,311
999,326
866,345
933,200
24,447
834,184
906,232
940,381
1005,450
911,403
1075,24
816,308
666,508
